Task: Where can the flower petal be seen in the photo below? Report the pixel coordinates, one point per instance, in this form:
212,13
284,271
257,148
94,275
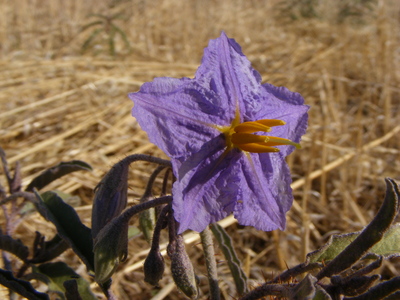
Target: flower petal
266,192
225,70
206,188
280,103
178,115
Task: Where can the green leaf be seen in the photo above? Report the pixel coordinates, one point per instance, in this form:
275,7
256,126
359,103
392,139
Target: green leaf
335,245
22,287
15,247
58,273
370,236
321,294
68,225
388,246
225,243
56,172
305,289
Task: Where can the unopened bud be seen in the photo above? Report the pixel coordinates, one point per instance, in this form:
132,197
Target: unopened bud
153,267
110,196
110,249
147,221
182,268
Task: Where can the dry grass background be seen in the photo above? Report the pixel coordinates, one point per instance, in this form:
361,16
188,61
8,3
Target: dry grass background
57,104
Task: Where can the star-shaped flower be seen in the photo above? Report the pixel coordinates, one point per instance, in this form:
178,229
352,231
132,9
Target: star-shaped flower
213,129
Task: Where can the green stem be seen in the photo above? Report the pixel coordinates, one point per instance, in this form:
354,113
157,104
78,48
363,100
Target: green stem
209,254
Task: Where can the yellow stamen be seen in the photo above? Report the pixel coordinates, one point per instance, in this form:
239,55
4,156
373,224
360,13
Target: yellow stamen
251,127
257,148
277,141
246,138
271,122
239,135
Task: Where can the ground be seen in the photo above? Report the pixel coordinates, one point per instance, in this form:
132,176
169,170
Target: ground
60,102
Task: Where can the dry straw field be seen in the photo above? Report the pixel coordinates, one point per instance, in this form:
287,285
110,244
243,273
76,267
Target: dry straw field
64,97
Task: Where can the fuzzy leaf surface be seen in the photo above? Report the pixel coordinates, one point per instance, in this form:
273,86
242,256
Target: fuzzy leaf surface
56,172
58,273
22,287
388,246
68,225
13,246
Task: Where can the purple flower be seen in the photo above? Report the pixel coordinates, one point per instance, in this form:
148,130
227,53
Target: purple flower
213,129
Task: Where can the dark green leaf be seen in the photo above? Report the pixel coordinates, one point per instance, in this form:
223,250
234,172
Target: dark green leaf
354,286
111,243
68,225
110,196
58,273
15,247
56,172
71,290
370,236
22,287
72,200
49,250
381,290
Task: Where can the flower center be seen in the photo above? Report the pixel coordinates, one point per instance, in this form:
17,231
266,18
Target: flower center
241,136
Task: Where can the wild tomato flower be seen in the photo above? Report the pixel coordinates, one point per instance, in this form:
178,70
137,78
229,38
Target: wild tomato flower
227,136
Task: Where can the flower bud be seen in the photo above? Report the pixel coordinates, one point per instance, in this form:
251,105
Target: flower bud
153,267
110,248
147,221
110,196
182,268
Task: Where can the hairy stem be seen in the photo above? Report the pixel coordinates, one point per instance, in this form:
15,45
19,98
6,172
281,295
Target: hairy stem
209,254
